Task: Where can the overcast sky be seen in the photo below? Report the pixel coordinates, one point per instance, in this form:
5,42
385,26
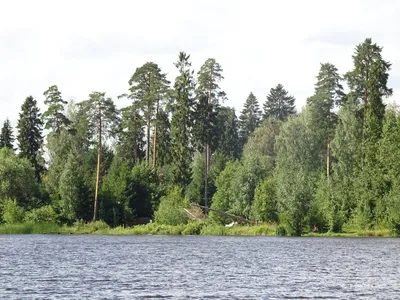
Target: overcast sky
85,46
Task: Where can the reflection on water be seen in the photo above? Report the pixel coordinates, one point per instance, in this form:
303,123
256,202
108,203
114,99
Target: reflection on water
163,267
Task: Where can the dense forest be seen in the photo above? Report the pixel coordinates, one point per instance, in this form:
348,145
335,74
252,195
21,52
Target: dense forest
333,164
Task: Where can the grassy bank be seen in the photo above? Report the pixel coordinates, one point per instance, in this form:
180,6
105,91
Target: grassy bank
193,228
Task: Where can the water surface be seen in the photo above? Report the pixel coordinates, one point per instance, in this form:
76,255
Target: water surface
197,267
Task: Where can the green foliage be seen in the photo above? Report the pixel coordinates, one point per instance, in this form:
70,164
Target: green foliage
264,207
44,214
115,209
12,212
149,89
279,104
249,118
30,134
225,138
17,180
195,189
226,193
54,117
194,228
171,208
74,196
181,123
6,135
143,191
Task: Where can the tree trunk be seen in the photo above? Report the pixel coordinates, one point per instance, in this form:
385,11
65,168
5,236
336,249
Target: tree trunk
328,159
148,141
134,142
96,196
155,139
206,177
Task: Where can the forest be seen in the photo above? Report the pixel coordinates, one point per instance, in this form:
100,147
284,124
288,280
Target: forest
331,166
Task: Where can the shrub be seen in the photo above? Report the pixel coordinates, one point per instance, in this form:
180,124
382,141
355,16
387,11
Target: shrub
171,208
12,213
194,228
44,214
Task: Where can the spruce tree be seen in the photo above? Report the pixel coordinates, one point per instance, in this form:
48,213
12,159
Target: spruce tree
6,135
368,84
29,136
131,145
54,117
279,104
249,117
181,123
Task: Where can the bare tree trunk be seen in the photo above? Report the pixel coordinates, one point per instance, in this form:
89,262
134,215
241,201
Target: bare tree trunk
96,196
206,177
207,151
135,145
155,138
148,141
328,159
155,146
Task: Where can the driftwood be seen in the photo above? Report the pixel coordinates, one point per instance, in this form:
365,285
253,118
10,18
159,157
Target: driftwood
223,213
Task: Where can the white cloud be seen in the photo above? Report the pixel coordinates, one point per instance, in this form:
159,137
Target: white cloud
96,45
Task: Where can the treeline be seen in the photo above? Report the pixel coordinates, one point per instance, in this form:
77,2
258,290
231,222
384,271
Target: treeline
332,165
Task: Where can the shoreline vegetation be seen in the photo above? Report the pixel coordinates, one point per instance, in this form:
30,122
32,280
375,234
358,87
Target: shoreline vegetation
203,228
178,157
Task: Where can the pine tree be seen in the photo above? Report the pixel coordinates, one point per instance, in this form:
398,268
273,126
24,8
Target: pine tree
54,117
30,134
181,123
102,116
279,104
149,90
6,135
321,117
249,117
208,96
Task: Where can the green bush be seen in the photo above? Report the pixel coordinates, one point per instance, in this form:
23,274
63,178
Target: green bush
194,228
44,214
12,213
213,230
171,208
280,230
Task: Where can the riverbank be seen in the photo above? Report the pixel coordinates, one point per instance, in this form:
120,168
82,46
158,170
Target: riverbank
193,228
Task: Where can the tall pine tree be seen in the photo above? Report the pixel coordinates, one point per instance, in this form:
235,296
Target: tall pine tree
148,91
29,136
102,117
6,135
279,104
208,97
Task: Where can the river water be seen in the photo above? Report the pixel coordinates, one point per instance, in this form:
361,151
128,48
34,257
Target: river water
197,267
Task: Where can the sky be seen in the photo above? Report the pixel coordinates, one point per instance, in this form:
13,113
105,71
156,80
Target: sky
85,46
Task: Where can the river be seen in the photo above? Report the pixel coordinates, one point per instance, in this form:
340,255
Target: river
197,267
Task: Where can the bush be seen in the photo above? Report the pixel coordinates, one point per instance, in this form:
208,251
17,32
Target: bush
171,208
12,213
44,214
264,207
194,228
280,231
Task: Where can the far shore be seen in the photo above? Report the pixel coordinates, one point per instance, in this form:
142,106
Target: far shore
192,228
